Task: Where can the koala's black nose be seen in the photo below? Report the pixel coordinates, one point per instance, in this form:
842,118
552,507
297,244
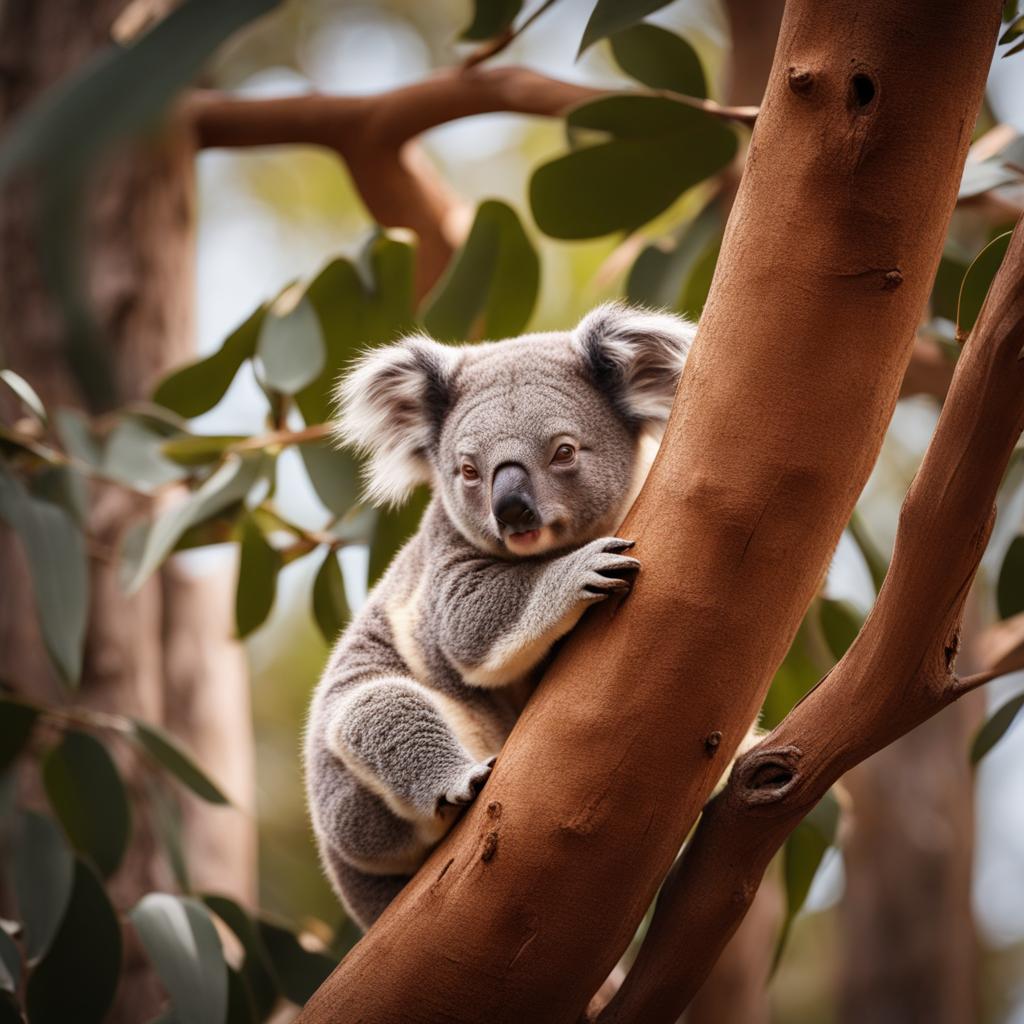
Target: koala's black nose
512,500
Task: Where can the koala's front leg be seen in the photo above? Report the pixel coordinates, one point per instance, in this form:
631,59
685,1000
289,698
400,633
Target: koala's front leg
501,628
393,738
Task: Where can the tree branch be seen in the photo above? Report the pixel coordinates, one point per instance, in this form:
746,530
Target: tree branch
898,672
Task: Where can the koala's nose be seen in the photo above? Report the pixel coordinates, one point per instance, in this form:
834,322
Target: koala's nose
512,500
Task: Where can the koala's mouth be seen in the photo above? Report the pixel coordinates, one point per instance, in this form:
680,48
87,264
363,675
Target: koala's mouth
530,542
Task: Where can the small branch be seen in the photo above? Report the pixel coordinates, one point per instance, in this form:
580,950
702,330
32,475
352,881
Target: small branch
897,673
499,43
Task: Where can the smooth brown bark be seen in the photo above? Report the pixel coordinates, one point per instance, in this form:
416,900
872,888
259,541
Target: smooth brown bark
826,264
898,673
166,653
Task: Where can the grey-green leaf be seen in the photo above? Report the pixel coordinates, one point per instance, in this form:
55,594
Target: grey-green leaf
16,722
134,455
995,727
334,474
174,759
57,562
656,149
10,963
183,944
25,392
610,16
393,527
291,347
493,280
256,967
77,978
659,59
228,485
1010,588
840,623
330,609
258,565
86,793
43,874
198,387
490,19
299,971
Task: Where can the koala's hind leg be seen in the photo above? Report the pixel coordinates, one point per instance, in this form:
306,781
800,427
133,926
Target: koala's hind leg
365,896
393,737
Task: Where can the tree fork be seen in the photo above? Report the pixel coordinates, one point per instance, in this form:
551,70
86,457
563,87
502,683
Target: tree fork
897,674
827,261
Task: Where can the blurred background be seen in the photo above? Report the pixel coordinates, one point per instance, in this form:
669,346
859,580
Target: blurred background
272,215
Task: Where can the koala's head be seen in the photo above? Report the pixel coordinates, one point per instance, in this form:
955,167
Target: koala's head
531,443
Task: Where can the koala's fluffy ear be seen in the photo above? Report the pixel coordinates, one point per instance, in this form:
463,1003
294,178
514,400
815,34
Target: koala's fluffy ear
636,357
392,402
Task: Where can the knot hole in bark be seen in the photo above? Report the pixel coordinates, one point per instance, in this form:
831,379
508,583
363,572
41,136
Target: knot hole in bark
766,776
863,92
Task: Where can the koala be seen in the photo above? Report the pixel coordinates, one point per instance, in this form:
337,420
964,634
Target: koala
534,448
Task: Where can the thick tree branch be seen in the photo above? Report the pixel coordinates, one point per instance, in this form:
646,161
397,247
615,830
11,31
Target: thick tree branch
898,672
523,910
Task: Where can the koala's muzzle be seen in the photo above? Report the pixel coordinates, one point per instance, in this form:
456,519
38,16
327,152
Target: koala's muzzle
512,499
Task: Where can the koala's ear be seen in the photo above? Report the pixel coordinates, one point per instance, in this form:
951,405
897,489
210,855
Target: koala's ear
392,402
636,357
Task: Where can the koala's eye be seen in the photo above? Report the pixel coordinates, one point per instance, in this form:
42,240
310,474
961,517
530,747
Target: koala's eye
565,455
469,472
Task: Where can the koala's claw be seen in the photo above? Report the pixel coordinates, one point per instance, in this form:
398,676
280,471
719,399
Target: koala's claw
606,570
466,789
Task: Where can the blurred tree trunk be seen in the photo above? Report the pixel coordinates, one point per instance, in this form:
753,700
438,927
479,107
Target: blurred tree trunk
164,655
907,928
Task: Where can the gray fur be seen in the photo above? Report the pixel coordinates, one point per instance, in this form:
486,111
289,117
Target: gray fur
424,686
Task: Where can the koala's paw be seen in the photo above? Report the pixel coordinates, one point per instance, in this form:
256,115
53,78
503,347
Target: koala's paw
465,788
605,570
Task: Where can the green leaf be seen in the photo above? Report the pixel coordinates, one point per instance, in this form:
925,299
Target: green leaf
801,858
76,434
198,387
659,59
43,874
257,969
62,486
1010,588
330,609
227,486
873,558
995,727
977,279
394,526
800,670
611,16
299,971
16,722
661,274
1014,31
10,1012
291,346
86,793
134,455
56,555
241,1003
334,474
698,284
840,623
174,759
658,148
494,277
258,566
490,18
10,963
25,392
183,945
199,449
77,978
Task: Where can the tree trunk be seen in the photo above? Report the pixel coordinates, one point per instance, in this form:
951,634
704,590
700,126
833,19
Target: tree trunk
164,655
909,942
829,255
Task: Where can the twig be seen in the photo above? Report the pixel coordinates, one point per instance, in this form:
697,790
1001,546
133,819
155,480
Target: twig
500,42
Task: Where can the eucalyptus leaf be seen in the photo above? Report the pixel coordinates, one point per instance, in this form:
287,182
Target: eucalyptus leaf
170,755
199,449
16,722
976,282
334,474
134,455
492,279
241,1002
258,566
330,609
1010,588
165,815
797,675
610,16
299,971
840,623
43,875
56,554
25,392
995,727
597,190
86,793
291,347
659,59
393,527
257,969
77,978
76,434
10,963
183,945
490,19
